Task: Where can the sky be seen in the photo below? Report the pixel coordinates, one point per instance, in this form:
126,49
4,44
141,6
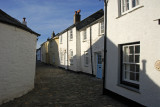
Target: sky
46,16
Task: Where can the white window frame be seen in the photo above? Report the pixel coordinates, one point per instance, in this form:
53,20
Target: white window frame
102,28
61,39
71,35
86,58
71,57
85,35
127,5
130,63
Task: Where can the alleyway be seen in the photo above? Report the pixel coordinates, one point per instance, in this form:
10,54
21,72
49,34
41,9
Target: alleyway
56,87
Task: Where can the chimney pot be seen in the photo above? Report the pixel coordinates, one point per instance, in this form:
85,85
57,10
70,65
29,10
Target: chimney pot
24,21
77,16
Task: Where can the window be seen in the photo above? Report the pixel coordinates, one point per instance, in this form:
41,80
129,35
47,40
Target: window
86,58
61,56
128,4
61,39
71,35
130,64
84,35
102,28
71,57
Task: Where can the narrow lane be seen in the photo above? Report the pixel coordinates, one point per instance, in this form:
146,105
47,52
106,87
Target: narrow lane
55,87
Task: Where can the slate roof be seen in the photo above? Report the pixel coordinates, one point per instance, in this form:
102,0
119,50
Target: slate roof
85,21
5,18
90,19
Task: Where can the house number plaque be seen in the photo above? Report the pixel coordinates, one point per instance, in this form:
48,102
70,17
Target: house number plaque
157,65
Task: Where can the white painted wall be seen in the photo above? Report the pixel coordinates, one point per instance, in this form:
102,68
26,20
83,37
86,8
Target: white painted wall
136,25
17,65
97,46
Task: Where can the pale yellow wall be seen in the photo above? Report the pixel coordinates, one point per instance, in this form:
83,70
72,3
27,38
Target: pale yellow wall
53,51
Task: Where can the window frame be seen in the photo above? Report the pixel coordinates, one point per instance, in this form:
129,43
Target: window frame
130,83
61,39
71,57
86,58
71,35
101,25
84,34
127,5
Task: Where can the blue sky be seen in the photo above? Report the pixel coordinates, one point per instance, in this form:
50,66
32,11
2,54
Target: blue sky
46,16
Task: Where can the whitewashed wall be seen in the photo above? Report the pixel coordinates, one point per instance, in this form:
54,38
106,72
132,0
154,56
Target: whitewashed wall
136,25
97,46
62,48
17,65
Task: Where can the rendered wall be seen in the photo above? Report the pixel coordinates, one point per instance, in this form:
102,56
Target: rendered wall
136,25
17,65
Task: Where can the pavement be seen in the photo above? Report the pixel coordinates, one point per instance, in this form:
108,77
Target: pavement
56,87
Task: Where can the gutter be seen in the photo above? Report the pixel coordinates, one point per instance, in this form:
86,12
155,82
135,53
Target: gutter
105,43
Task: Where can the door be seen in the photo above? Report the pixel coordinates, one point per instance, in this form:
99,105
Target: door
65,60
99,66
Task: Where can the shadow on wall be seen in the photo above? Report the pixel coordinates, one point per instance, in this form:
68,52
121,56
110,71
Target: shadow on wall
149,87
53,53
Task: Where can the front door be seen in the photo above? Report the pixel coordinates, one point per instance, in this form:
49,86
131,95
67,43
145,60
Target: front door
99,66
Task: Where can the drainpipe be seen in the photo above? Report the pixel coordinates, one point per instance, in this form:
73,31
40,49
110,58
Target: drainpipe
105,43
91,48
67,49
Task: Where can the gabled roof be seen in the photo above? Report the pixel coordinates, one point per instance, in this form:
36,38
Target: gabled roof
85,21
90,19
5,18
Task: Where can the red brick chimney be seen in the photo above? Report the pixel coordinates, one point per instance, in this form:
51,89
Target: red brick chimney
77,16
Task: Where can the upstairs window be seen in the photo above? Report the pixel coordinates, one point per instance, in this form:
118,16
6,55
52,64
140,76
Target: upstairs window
84,35
102,28
71,35
61,39
128,4
130,64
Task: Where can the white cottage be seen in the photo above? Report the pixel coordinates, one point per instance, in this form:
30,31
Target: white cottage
17,58
69,46
91,43
132,68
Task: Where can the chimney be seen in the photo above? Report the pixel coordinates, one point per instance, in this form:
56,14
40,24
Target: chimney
24,21
53,35
77,16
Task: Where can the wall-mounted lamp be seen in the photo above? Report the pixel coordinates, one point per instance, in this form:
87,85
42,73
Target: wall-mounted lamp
158,21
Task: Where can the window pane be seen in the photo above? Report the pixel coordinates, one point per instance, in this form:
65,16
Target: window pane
137,68
132,67
136,58
127,75
137,49
137,76
131,58
132,76
127,4
133,3
131,49
126,66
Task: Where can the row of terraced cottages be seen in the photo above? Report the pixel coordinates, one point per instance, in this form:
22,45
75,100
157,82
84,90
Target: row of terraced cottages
79,47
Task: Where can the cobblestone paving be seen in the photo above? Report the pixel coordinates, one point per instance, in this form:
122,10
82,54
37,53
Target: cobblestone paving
56,87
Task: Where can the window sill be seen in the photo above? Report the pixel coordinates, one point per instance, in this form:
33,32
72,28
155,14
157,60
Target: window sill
85,40
130,11
129,88
71,40
86,65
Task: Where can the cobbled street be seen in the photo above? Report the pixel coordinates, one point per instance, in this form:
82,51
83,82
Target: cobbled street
55,87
